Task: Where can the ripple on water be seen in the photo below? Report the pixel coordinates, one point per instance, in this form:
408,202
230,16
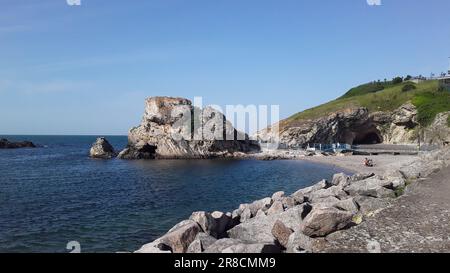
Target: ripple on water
50,196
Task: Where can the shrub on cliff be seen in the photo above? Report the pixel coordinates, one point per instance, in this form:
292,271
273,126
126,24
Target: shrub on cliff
408,87
397,80
429,104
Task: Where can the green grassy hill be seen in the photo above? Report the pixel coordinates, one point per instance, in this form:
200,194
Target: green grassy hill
384,96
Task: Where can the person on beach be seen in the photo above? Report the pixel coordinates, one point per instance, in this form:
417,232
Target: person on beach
368,162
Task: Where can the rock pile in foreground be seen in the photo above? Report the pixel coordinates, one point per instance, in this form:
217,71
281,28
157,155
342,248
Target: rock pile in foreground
295,223
6,144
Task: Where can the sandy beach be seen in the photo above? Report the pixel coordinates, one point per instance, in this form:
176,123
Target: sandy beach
355,164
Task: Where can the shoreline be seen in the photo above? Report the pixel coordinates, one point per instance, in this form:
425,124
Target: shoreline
355,164
306,220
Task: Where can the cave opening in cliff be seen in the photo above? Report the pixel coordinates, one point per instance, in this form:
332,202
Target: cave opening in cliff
148,151
368,138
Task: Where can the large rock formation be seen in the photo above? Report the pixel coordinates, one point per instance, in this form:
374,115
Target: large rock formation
173,128
6,144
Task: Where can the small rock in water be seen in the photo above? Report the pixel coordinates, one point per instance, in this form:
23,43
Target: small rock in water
6,144
102,149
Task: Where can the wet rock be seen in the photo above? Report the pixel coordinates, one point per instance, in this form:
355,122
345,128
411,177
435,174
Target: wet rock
321,222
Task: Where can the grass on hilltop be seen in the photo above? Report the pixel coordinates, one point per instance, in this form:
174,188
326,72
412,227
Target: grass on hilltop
384,96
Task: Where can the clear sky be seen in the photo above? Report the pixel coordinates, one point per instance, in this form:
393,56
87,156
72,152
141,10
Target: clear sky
87,69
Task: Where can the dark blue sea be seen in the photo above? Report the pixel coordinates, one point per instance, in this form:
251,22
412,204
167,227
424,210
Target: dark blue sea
55,194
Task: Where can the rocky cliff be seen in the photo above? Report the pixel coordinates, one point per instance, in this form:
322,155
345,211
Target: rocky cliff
357,125
389,112
174,128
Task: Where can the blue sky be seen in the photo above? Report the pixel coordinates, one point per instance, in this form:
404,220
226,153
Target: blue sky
88,69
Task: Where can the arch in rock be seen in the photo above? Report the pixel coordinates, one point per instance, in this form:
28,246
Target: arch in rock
368,137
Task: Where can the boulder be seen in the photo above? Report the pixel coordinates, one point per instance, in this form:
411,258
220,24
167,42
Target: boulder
221,223
246,215
263,204
298,195
300,243
289,202
321,222
374,186
181,236
228,245
219,245
214,224
256,248
154,247
201,243
278,196
360,176
102,149
260,213
413,170
369,205
340,179
277,207
281,233
260,229
348,204
334,191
